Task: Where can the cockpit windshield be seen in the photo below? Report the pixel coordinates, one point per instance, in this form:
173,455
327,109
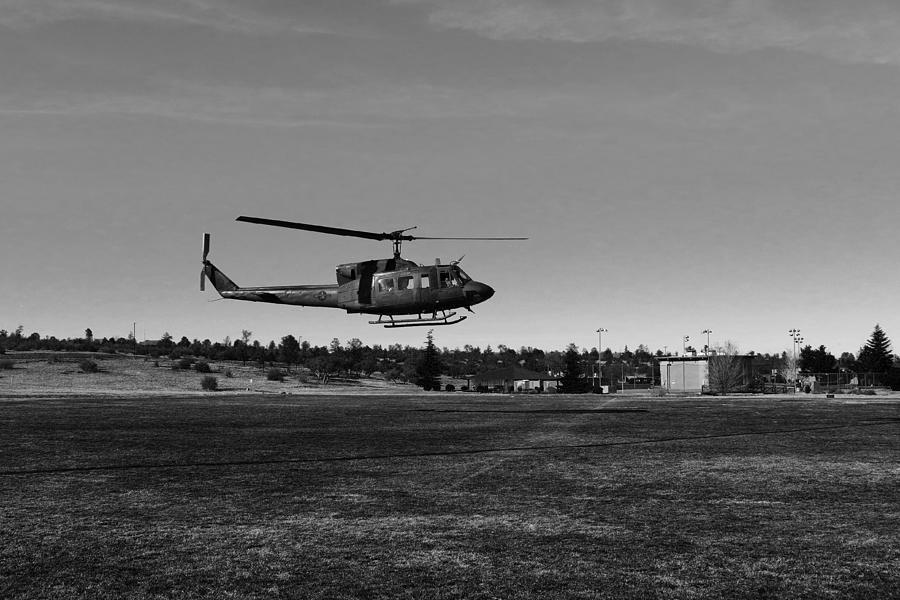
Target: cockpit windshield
459,275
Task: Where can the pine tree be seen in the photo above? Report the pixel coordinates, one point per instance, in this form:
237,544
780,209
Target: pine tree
572,382
875,356
289,351
428,371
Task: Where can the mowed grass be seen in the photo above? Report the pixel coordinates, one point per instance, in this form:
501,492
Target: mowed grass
449,496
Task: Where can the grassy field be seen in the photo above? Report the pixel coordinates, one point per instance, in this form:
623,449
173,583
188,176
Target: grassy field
42,374
449,496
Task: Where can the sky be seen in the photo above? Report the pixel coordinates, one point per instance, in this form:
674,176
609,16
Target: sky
677,165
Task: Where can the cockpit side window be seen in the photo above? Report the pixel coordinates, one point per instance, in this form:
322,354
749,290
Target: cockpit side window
405,282
445,279
453,277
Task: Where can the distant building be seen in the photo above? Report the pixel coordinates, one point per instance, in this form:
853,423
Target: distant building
512,379
687,374
690,373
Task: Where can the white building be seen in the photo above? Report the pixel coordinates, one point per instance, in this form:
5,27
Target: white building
688,374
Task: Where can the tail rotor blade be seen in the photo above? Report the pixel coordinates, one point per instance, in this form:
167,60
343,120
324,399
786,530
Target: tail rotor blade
203,271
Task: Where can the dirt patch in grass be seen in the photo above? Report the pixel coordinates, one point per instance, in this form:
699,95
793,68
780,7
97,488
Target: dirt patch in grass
414,497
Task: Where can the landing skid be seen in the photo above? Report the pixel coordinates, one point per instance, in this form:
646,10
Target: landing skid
420,321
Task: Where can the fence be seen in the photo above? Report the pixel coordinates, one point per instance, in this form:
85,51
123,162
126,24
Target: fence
841,379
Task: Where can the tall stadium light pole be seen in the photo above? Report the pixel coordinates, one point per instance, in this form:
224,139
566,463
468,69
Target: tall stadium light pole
600,355
707,332
684,342
795,335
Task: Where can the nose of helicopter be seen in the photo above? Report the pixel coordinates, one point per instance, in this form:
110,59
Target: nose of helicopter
478,292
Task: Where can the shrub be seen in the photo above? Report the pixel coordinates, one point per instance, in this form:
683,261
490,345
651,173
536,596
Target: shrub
203,367
184,363
209,383
228,373
88,366
6,364
449,387
275,375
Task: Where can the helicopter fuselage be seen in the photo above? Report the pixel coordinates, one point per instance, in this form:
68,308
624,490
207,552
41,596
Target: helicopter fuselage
380,287
388,287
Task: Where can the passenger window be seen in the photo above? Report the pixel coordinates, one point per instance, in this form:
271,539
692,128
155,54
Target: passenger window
424,281
386,284
404,282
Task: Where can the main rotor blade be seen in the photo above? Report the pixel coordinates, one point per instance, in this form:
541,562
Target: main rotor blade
369,235
469,238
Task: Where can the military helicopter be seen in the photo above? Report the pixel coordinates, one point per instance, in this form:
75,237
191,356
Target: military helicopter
392,288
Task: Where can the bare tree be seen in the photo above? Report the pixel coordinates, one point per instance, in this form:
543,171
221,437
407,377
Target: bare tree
788,367
726,369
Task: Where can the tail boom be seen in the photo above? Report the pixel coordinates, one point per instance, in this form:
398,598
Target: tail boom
297,295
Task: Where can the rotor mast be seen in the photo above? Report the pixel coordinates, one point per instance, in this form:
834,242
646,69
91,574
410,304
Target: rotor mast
397,238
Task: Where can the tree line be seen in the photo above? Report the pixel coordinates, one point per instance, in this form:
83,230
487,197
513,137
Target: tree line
574,366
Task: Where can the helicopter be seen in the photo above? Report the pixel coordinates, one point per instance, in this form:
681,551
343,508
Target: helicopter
401,292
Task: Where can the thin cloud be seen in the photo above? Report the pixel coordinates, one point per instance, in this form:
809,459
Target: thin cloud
222,15
861,31
366,105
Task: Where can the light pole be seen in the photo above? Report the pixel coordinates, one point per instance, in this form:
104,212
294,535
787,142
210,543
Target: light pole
707,332
795,335
684,342
600,355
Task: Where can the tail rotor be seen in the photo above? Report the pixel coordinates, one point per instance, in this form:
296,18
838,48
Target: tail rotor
203,271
